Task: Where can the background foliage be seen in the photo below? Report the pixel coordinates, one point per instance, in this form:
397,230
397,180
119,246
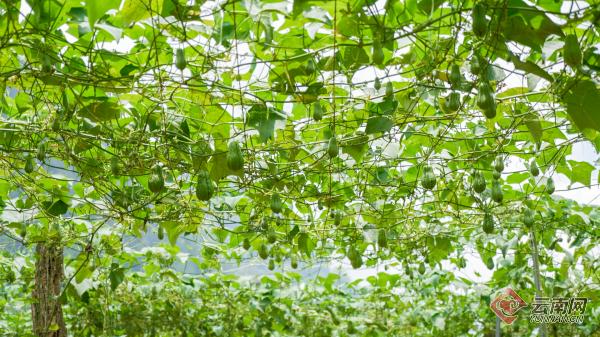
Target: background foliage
370,122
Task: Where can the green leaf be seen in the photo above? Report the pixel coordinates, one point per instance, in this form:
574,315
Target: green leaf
530,67
101,111
535,127
56,208
116,276
581,172
263,119
582,104
378,124
529,25
355,56
96,9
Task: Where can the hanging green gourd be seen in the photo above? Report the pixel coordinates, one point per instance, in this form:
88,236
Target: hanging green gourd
478,183
490,263
41,151
478,20
497,195
276,204
488,223
382,238
377,52
180,61
354,257
533,169
452,102
156,181
29,164
332,147
485,100
317,112
496,175
428,180
377,84
549,185
161,233
204,186
389,89
528,217
263,252
475,64
498,164
454,77
235,160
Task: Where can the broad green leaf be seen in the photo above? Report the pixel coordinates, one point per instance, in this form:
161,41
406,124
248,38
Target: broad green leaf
582,104
96,9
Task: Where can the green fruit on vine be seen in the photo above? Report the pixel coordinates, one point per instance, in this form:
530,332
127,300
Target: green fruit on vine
271,236
528,217
377,53
294,262
382,238
351,329
475,65
276,204
496,175
453,102
56,124
421,268
354,257
454,77
246,244
489,263
156,182
479,21
332,147
478,183
485,100
180,61
204,186
428,180
572,51
377,84
29,164
271,264
310,67
389,89
498,164
549,185
161,233
41,152
488,223
114,165
337,218
263,252
497,195
235,160
317,112
533,169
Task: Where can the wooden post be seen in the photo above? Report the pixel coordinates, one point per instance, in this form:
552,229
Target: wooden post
46,310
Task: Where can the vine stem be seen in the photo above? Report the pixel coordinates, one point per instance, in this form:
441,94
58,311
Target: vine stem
536,275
